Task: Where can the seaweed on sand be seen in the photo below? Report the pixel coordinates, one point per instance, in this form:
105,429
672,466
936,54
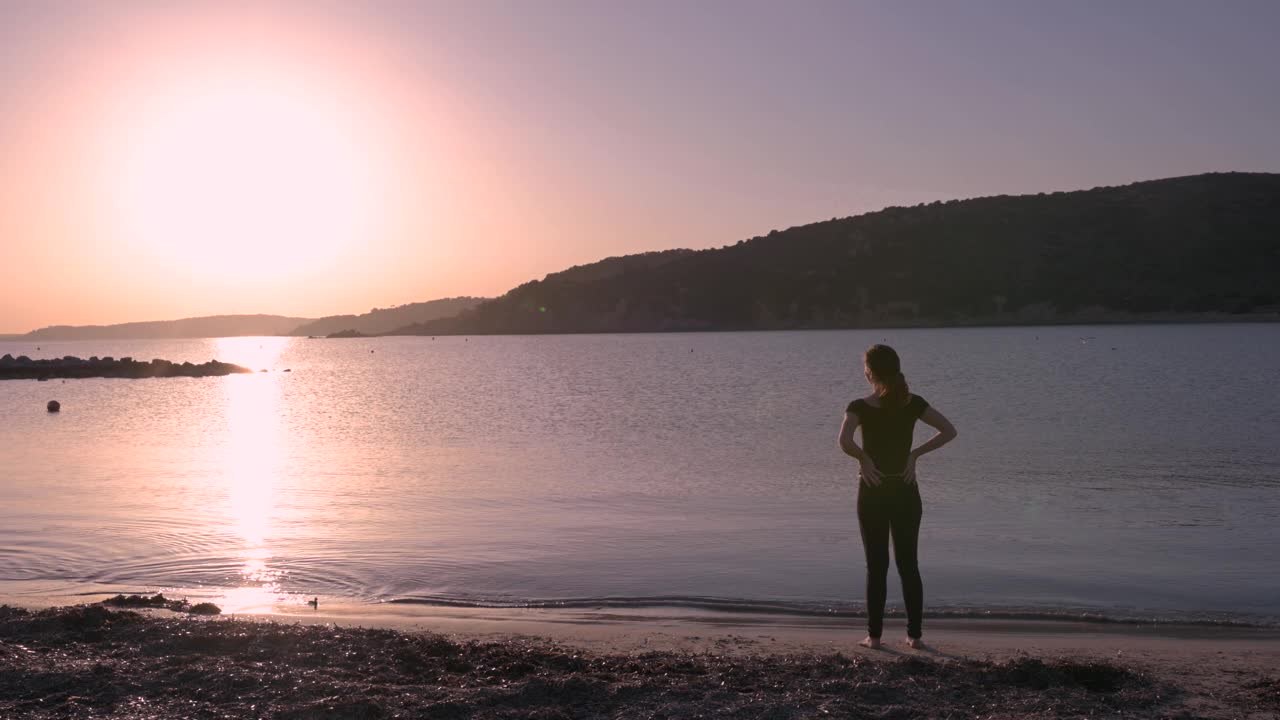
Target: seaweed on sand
1267,692
95,662
159,601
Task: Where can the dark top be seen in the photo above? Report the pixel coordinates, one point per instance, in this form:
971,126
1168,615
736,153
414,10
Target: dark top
887,431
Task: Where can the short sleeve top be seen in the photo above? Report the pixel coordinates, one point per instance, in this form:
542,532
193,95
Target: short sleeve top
887,432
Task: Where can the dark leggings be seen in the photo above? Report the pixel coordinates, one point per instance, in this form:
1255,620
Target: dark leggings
893,509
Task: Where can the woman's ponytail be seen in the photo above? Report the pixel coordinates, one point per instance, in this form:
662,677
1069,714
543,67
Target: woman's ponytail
894,392
885,372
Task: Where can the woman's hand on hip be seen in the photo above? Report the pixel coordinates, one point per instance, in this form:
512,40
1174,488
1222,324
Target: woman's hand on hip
869,473
909,472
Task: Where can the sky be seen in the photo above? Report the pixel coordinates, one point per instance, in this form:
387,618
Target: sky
161,160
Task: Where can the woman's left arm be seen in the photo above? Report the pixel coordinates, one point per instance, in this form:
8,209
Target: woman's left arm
946,433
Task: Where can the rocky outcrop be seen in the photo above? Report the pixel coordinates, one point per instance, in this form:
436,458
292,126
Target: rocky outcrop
24,368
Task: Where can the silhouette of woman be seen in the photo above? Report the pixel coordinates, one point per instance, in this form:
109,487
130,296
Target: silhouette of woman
888,495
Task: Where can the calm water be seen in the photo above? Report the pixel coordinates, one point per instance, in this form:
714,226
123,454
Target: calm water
1132,473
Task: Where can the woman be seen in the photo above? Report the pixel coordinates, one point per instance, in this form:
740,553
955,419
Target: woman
888,496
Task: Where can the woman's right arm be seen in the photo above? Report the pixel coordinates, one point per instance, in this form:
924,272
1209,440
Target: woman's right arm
946,431
870,473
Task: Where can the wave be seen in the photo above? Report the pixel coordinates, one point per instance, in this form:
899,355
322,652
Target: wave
731,606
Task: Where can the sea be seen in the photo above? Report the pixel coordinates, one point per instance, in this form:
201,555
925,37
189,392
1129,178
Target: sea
1127,472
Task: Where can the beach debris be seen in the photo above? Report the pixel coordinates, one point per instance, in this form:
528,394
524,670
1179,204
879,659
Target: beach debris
1267,691
160,602
129,665
53,406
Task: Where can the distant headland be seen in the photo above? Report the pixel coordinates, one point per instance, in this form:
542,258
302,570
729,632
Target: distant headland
375,322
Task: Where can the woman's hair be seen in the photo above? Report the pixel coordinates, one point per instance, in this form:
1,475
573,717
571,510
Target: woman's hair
886,375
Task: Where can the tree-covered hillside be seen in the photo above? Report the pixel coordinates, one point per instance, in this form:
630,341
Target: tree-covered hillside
383,320
1199,244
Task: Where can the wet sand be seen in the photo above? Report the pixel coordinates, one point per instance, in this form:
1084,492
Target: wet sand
359,661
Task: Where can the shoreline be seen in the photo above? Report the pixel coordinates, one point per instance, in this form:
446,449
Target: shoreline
715,610
388,660
616,628
976,323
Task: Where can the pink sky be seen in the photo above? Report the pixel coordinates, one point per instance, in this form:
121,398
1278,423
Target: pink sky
322,158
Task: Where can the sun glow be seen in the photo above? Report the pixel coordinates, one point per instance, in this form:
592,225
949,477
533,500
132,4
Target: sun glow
246,174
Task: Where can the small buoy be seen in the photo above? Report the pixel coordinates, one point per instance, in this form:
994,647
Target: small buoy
54,406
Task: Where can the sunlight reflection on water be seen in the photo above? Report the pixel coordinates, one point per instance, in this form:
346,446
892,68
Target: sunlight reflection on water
253,460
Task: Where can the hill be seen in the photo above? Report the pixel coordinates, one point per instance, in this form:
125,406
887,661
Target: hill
384,320
199,327
1157,249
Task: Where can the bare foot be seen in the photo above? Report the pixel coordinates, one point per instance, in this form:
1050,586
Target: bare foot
870,642
915,643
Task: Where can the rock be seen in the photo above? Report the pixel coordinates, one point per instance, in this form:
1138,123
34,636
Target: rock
26,369
54,406
205,608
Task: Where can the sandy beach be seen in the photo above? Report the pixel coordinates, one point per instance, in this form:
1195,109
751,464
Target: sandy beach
384,661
